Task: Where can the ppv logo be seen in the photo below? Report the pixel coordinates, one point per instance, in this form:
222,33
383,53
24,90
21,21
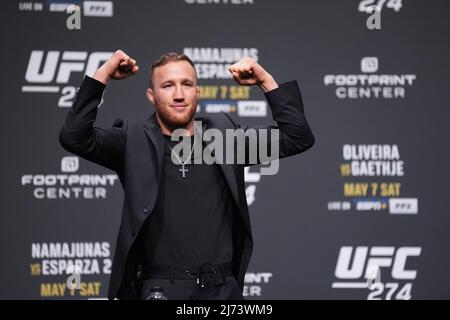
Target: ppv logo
360,263
98,8
46,76
252,108
403,206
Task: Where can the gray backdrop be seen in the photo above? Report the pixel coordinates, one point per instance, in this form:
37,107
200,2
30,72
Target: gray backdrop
317,230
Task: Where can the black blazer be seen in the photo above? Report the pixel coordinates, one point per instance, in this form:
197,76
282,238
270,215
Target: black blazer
134,150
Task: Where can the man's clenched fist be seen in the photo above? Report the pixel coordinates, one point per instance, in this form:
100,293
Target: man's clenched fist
118,66
248,72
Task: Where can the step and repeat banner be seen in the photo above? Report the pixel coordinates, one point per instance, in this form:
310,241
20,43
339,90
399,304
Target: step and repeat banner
364,214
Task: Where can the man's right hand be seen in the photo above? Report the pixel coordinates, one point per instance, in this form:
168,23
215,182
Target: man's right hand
118,66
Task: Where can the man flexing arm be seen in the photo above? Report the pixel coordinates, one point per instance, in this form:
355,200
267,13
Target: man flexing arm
104,146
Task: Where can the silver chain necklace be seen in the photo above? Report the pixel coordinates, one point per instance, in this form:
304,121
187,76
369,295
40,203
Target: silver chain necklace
183,170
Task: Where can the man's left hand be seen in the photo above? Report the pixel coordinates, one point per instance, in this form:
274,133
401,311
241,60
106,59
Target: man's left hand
248,72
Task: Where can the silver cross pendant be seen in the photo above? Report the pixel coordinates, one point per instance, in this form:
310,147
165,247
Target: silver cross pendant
183,171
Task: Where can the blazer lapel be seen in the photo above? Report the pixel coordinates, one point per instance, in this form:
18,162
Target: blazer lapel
227,169
153,131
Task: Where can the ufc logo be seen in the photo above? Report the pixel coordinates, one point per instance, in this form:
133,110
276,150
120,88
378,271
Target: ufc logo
45,70
353,262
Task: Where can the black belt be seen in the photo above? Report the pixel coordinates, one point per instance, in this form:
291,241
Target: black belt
206,270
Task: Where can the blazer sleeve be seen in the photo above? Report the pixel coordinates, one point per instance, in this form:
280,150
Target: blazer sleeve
294,133
78,135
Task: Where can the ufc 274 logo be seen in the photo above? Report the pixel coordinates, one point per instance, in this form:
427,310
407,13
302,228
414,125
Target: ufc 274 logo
51,71
366,267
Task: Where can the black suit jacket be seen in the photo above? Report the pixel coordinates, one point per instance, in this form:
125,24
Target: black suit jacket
134,150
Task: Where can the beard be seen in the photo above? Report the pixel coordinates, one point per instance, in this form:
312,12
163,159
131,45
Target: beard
174,119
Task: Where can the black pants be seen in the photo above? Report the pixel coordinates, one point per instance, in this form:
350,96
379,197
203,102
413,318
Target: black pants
187,289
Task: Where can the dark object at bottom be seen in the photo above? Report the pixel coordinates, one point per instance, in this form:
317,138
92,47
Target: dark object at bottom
209,282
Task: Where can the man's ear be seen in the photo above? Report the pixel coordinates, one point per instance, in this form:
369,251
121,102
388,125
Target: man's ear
150,95
198,92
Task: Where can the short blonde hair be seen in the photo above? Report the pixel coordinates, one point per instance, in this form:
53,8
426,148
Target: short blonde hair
167,58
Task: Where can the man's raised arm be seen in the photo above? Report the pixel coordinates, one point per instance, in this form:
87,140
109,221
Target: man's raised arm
292,132
78,134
